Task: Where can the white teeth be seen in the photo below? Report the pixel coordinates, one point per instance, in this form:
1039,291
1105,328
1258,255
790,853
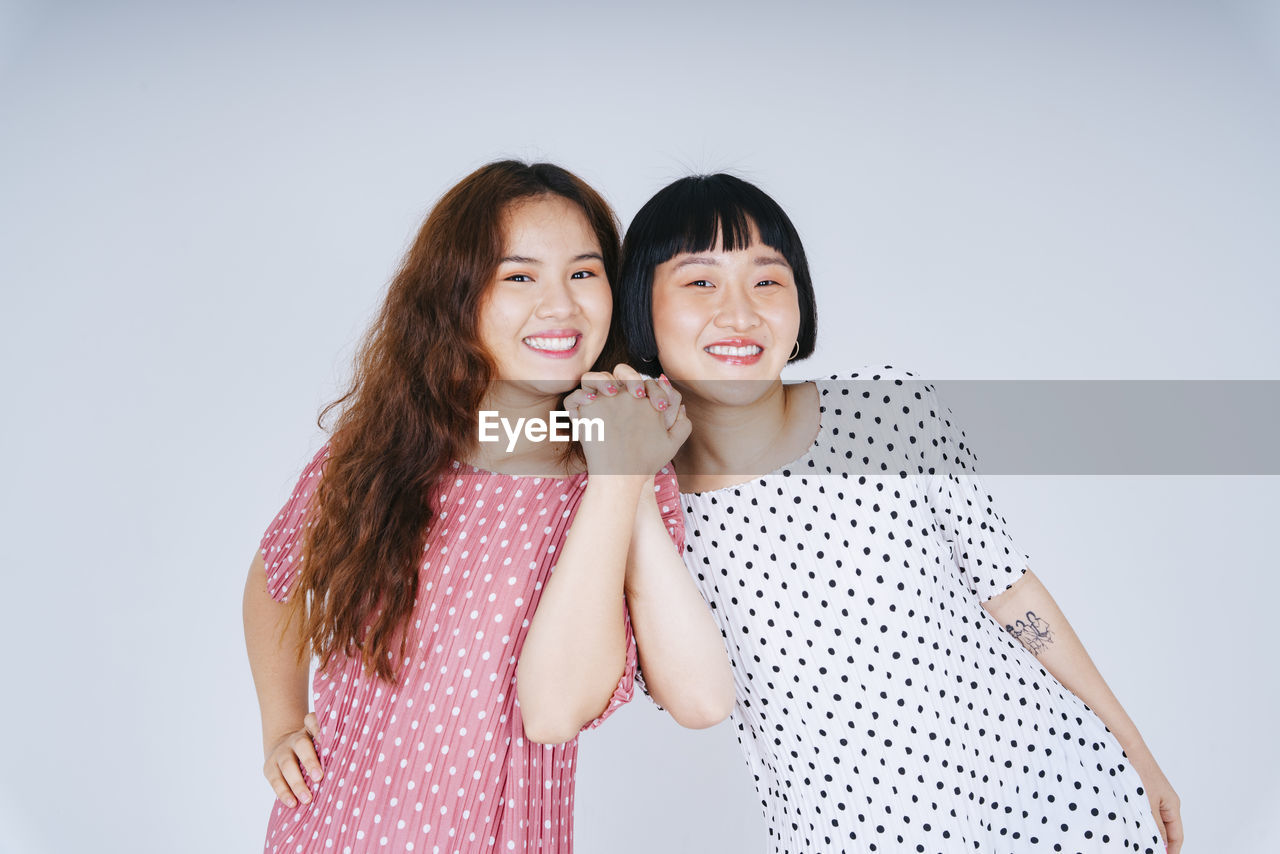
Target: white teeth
722,350
552,343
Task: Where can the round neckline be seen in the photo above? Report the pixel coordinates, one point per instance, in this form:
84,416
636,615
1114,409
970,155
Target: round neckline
813,446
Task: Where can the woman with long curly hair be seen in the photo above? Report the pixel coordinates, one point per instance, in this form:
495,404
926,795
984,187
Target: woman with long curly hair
415,561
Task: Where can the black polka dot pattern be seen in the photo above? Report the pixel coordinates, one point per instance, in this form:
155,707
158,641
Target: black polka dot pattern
880,708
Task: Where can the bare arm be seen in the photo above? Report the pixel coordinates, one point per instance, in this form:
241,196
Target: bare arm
1029,612
575,650
281,682
681,652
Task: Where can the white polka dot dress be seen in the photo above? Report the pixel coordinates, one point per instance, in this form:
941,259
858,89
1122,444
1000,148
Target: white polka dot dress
438,763
880,708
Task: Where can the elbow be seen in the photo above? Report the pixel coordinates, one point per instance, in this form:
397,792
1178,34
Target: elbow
705,711
546,719
700,718
549,730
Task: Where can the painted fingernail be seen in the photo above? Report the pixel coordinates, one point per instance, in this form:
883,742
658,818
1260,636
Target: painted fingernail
662,378
662,404
611,389
591,396
640,392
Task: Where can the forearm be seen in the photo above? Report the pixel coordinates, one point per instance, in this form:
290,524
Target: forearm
278,676
1029,612
575,649
681,651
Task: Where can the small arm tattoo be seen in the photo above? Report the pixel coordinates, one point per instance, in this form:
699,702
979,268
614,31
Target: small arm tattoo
1033,633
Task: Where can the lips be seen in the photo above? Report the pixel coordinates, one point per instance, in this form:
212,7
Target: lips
735,351
555,343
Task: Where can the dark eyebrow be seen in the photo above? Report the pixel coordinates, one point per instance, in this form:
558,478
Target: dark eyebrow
759,261
766,260
699,260
521,259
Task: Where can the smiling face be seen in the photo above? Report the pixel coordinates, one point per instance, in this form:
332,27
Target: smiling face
721,318
545,318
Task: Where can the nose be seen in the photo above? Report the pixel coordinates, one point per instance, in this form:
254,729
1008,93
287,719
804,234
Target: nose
736,310
556,300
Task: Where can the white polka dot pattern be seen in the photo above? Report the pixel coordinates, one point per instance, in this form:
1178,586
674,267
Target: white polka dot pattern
438,762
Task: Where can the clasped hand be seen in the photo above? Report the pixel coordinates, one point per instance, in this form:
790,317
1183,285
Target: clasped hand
644,421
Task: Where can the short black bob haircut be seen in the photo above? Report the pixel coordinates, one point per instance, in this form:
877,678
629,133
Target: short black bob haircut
689,215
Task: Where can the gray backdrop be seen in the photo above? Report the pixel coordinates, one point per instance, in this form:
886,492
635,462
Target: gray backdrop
203,203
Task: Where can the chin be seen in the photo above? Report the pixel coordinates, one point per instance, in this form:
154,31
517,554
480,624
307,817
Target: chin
557,382
556,386
729,390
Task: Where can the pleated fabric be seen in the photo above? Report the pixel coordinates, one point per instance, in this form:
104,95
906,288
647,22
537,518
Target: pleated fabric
880,708
439,762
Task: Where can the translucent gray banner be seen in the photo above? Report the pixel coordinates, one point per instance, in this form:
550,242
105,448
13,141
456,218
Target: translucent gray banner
896,425
1091,427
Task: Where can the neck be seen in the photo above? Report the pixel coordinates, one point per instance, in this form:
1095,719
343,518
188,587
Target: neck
518,455
731,438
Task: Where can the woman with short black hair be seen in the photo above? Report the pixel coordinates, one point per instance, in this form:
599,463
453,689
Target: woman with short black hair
863,576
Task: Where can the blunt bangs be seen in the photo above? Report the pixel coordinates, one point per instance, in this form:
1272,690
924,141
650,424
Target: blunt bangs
696,214
699,214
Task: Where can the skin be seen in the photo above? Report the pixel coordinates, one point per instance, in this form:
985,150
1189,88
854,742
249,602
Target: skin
746,422
680,648
551,280
281,683
574,652
1066,659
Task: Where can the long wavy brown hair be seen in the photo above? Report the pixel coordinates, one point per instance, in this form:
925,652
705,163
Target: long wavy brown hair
410,412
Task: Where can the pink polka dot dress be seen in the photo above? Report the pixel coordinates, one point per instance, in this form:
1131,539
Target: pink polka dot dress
438,763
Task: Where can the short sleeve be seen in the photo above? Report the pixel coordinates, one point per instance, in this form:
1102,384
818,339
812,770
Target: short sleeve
667,490
282,543
964,508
